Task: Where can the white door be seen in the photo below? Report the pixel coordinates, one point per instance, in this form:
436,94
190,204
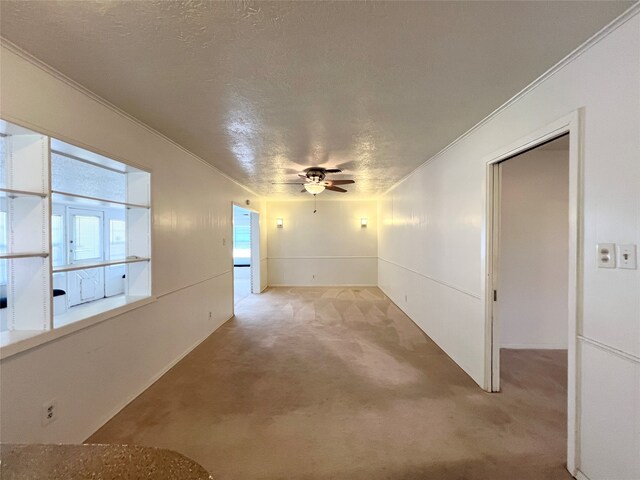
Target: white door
85,246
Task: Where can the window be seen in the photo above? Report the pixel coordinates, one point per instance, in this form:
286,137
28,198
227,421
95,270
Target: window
57,240
3,248
117,236
97,233
87,230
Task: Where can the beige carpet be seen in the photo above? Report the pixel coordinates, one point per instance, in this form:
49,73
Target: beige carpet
330,383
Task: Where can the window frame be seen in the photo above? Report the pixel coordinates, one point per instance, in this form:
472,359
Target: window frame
17,340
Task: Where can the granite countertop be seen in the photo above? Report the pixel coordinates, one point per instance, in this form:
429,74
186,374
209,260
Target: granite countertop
96,462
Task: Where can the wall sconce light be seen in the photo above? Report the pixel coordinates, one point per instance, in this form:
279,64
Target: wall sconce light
363,222
279,223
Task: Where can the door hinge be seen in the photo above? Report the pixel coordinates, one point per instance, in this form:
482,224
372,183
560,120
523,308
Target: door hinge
495,295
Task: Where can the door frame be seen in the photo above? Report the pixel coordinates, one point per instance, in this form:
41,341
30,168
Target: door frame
255,274
571,124
70,226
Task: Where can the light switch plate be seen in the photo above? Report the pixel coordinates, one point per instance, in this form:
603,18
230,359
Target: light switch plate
606,255
627,257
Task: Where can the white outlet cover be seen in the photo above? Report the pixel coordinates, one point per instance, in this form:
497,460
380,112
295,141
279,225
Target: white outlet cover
627,257
606,255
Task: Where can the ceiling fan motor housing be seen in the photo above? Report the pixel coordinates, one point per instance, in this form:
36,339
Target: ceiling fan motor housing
315,176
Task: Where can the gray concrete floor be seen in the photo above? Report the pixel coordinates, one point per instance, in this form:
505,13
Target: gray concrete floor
332,383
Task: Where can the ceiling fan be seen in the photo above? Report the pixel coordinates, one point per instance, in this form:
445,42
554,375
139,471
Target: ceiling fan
315,182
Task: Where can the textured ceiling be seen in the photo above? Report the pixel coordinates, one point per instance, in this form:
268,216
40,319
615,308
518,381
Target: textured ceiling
264,89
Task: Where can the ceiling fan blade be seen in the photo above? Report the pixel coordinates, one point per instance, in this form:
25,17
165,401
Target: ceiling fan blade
336,189
350,165
340,182
333,170
303,190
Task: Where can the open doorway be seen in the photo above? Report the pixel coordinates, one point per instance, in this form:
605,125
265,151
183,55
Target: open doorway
532,315
241,253
247,275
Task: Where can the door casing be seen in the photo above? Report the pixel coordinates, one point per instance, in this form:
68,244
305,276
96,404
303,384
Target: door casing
571,124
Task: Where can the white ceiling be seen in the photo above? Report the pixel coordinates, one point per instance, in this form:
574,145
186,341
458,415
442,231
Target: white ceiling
264,89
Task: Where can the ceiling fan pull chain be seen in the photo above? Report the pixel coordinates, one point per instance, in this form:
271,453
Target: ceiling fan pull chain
315,205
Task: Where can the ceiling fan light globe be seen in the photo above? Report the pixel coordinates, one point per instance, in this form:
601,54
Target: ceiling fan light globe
314,188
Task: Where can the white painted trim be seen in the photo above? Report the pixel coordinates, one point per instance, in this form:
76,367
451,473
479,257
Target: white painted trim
256,261
627,356
535,346
46,336
322,257
233,266
193,284
581,476
453,287
419,327
573,125
13,48
246,207
96,426
623,18
330,285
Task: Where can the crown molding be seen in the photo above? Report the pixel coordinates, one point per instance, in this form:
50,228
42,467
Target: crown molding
13,48
623,18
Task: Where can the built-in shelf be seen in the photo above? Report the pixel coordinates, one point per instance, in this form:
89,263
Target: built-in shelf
73,197
86,266
11,256
11,193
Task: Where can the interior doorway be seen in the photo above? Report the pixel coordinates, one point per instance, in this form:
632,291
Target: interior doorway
533,232
246,253
241,253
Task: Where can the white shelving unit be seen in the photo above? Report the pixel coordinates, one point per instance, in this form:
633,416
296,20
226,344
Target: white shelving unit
40,175
25,203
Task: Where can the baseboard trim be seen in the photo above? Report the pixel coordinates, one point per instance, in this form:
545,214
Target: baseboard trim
332,285
325,257
427,335
534,346
151,381
581,476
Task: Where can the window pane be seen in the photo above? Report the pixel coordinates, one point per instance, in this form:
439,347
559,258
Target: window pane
57,240
3,248
117,239
87,237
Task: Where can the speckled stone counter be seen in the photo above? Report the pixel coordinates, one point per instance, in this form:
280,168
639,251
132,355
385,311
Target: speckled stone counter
96,462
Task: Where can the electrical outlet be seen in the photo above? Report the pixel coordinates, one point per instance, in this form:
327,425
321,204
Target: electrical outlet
406,298
49,412
210,315
606,255
627,257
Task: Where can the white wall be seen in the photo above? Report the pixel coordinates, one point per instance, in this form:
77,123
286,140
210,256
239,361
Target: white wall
94,372
431,241
533,267
324,248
